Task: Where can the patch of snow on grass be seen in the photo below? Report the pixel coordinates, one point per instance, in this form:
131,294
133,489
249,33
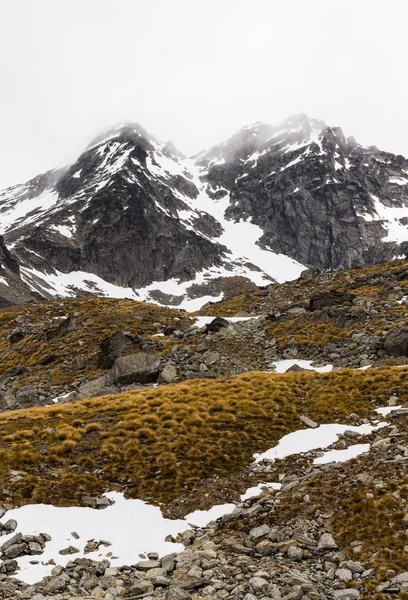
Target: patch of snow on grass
200,518
341,455
386,410
3,281
305,440
253,492
283,365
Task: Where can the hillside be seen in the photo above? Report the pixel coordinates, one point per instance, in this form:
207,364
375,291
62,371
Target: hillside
67,348
124,406
170,444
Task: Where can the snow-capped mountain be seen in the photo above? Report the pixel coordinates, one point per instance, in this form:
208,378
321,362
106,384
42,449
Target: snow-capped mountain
133,217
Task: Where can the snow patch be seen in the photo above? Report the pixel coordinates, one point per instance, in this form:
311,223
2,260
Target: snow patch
283,365
255,491
342,455
305,440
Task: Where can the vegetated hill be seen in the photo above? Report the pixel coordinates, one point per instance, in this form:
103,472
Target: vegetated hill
183,432
352,318
190,444
133,217
158,443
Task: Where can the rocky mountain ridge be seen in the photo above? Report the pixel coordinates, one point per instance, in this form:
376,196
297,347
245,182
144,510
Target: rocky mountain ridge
134,218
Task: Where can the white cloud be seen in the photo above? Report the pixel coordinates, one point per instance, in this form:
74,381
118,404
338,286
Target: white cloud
194,72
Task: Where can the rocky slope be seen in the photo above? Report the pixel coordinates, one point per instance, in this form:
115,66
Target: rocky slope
76,348
134,218
181,435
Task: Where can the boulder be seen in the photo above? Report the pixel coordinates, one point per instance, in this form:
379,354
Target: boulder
96,387
16,335
216,325
168,375
327,543
66,326
396,342
113,346
297,369
135,368
308,422
330,298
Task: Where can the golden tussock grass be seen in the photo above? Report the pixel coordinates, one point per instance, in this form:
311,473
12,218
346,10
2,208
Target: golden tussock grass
165,440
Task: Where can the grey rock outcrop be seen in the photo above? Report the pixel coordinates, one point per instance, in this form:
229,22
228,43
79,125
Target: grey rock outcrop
135,368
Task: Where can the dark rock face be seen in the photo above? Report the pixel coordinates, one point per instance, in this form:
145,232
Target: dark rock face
396,343
309,198
12,288
113,346
119,217
7,260
216,325
134,211
331,298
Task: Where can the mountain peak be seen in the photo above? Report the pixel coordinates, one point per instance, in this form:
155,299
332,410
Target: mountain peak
127,131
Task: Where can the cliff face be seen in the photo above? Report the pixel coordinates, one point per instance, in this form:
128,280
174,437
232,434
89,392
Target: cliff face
134,217
13,290
320,198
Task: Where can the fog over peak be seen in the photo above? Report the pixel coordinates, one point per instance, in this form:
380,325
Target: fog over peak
70,69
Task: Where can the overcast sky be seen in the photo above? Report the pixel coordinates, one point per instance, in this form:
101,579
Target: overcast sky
195,71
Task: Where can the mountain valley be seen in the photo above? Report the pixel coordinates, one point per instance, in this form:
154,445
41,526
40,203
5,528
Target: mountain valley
203,371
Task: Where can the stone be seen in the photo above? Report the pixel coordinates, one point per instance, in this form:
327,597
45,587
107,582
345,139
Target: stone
135,368
15,550
55,584
396,342
168,375
107,581
308,422
146,565
69,550
10,525
330,298
265,547
176,593
344,575
348,594
259,532
258,583
296,369
113,346
80,362
400,579
16,539
35,548
96,387
326,543
16,335
295,553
